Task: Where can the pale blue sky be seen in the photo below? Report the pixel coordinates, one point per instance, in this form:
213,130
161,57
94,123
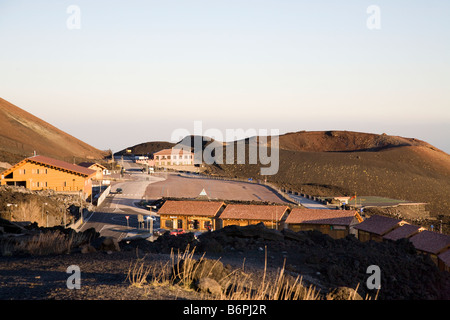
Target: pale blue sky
138,70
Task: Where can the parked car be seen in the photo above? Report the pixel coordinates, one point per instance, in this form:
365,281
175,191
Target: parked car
160,232
119,190
176,232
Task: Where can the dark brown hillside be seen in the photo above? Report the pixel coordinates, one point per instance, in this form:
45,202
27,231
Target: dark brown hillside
21,133
405,169
155,146
148,147
344,141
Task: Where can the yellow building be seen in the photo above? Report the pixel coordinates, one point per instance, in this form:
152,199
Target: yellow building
41,173
273,217
97,167
190,215
335,223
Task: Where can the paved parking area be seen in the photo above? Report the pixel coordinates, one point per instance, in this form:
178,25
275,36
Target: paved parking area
186,187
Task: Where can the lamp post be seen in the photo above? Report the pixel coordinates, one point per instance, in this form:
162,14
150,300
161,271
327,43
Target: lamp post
9,205
42,213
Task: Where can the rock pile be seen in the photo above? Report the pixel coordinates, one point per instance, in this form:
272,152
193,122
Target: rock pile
405,274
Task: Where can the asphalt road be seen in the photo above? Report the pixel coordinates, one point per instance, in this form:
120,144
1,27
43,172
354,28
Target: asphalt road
308,203
110,218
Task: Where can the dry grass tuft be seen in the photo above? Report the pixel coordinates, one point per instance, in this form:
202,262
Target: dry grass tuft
45,243
237,285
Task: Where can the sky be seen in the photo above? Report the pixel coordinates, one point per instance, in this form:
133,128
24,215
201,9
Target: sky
118,73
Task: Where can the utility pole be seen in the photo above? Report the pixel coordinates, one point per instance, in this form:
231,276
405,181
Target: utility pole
42,213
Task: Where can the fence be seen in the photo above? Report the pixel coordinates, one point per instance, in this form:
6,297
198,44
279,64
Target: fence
103,196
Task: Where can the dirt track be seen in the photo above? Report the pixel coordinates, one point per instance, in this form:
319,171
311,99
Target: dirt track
184,187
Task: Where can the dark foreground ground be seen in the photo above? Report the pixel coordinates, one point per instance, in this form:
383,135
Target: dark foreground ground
320,261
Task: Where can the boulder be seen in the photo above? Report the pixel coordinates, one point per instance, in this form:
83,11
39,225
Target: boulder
208,285
343,293
209,244
292,235
205,268
87,248
210,268
9,227
109,244
253,231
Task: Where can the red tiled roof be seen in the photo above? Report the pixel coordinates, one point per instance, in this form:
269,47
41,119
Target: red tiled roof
431,242
321,216
445,257
405,231
379,225
61,164
168,152
253,212
191,208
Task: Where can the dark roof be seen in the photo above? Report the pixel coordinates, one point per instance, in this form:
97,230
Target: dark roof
191,208
320,216
89,164
61,165
431,242
86,164
405,231
253,212
379,225
445,257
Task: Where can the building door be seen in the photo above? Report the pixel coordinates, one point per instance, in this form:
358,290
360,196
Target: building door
196,225
180,224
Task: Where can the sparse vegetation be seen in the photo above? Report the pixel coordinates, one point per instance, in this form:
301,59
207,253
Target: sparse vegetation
185,272
43,243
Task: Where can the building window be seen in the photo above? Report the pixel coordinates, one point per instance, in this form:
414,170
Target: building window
168,224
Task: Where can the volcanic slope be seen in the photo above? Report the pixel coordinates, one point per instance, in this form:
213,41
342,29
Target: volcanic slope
333,163
22,133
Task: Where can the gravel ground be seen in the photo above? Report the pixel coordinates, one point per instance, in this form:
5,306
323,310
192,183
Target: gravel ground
103,277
